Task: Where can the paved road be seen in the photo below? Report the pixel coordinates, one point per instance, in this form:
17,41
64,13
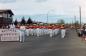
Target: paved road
71,45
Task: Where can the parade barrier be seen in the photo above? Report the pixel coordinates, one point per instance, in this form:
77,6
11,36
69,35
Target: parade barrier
9,35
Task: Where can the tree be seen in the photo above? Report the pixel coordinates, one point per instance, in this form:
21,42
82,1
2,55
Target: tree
29,21
77,22
61,21
23,22
15,22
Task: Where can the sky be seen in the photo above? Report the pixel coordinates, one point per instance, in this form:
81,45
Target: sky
55,7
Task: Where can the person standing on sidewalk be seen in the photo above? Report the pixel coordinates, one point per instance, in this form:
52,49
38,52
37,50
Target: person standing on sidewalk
84,32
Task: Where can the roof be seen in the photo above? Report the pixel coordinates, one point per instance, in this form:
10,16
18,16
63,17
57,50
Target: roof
6,10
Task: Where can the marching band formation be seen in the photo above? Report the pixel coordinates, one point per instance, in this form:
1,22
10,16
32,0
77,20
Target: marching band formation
37,30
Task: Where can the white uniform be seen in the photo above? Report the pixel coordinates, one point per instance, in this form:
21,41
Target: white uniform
63,33
27,32
38,32
50,32
22,37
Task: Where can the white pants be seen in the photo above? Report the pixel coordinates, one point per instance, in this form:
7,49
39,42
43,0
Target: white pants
27,32
63,33
31,32
38,32
51,32
22,36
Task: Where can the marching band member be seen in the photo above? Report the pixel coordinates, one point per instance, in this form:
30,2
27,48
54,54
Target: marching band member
22,37
46,30
38,31
63,31
28,31
56,29
42,30
31,30
50,31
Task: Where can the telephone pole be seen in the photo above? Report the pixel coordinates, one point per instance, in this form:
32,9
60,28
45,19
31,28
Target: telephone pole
80,15
75,21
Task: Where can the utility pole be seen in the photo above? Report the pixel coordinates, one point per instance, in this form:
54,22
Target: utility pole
75,21
80,15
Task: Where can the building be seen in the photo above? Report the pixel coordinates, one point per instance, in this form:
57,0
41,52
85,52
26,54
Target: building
6,17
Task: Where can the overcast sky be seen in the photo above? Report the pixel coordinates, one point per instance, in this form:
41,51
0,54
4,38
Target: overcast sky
32,7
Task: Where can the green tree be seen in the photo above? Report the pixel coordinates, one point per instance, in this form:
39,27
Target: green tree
61,21
29,21
77,22
23,22
15,22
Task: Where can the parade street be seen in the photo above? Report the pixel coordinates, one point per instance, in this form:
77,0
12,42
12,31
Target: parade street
71,45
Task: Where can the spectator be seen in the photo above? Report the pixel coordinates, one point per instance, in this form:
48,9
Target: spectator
84,31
